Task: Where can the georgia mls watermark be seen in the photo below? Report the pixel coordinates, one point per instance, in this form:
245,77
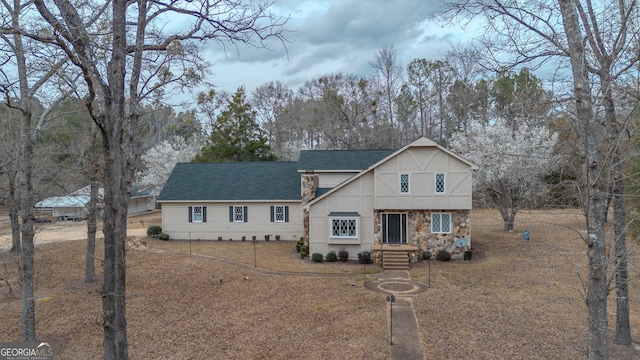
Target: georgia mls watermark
26,351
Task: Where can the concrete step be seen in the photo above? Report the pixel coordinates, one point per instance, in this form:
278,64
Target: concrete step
395,260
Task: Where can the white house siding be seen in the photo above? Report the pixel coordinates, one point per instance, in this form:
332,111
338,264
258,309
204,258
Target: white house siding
333,179
175,221
422,163
356,196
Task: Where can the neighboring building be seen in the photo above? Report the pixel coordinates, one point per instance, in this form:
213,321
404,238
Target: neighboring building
73,206
142,199
417,198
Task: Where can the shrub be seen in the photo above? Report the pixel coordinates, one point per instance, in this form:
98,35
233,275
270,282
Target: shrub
244,238
343,255
219,238
266,237
427,255
277,237
467,255
163,236
304,251
443,255
316,257
253,238
299,244
154,230
331,256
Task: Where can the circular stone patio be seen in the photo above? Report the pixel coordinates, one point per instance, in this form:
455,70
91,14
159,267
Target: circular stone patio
396,283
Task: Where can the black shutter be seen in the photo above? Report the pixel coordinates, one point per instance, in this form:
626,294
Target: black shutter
190,214
272,213
246,214
204,214
286,214
230,213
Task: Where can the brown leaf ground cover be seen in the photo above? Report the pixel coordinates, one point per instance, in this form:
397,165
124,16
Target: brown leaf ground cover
511,301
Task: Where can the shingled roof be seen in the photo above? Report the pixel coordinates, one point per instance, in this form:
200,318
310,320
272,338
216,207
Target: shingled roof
264,180
336,160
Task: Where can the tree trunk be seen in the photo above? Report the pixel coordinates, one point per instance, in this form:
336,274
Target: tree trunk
89,268
27,230
623,329
117,190
597,282
14,214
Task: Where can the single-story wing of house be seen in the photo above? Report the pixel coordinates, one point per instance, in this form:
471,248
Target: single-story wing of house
417,198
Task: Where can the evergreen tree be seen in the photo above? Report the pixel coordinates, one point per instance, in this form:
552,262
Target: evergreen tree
236,135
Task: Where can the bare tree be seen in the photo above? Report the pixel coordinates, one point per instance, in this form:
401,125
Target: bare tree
123,68
594,39
20,91
388,77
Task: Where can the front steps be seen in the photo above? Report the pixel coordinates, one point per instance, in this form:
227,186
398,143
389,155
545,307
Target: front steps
395,260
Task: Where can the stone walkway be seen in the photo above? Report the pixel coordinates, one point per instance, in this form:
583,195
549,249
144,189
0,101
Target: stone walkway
403,324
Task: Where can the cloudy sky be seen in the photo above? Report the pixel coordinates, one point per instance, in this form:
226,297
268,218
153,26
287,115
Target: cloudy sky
331,36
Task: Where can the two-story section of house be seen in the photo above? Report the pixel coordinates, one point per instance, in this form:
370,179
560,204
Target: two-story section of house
417,198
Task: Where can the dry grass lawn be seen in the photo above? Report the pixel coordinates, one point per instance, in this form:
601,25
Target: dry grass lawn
510,302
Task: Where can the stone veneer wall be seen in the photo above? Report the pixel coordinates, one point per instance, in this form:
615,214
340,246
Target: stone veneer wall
419,232
310,183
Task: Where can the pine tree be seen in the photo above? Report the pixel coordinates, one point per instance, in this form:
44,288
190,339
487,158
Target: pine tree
236,135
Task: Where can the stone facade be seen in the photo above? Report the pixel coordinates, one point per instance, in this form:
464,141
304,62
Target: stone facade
419,233
310,183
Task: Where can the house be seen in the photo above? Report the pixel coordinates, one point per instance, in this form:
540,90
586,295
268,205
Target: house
414,199
74,206
142,199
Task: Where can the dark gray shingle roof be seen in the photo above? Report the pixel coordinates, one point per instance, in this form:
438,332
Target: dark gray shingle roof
311,160
264,180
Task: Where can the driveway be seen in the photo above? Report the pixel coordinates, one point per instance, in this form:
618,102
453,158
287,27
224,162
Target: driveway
61,231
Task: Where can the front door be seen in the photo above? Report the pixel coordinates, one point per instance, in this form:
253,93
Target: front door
394,228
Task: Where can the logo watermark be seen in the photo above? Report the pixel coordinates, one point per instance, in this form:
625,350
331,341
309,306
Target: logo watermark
26,351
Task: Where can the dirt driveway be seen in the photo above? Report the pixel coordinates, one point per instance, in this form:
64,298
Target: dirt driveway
76,230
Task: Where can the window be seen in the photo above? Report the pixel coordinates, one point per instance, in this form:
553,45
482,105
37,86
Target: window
238,214
197,214
441,223
346,227
440,184
279,213
404,183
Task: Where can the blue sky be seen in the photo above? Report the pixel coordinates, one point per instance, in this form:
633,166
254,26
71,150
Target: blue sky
331,36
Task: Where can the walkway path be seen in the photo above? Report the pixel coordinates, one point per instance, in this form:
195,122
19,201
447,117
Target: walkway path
403,324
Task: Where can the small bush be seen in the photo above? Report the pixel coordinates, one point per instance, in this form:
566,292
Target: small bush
468,254
219,238
154,230
443,256
304,251
266,237
331,256
253,238
343,255
427,255
316,257
277,237
163,236
299,244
